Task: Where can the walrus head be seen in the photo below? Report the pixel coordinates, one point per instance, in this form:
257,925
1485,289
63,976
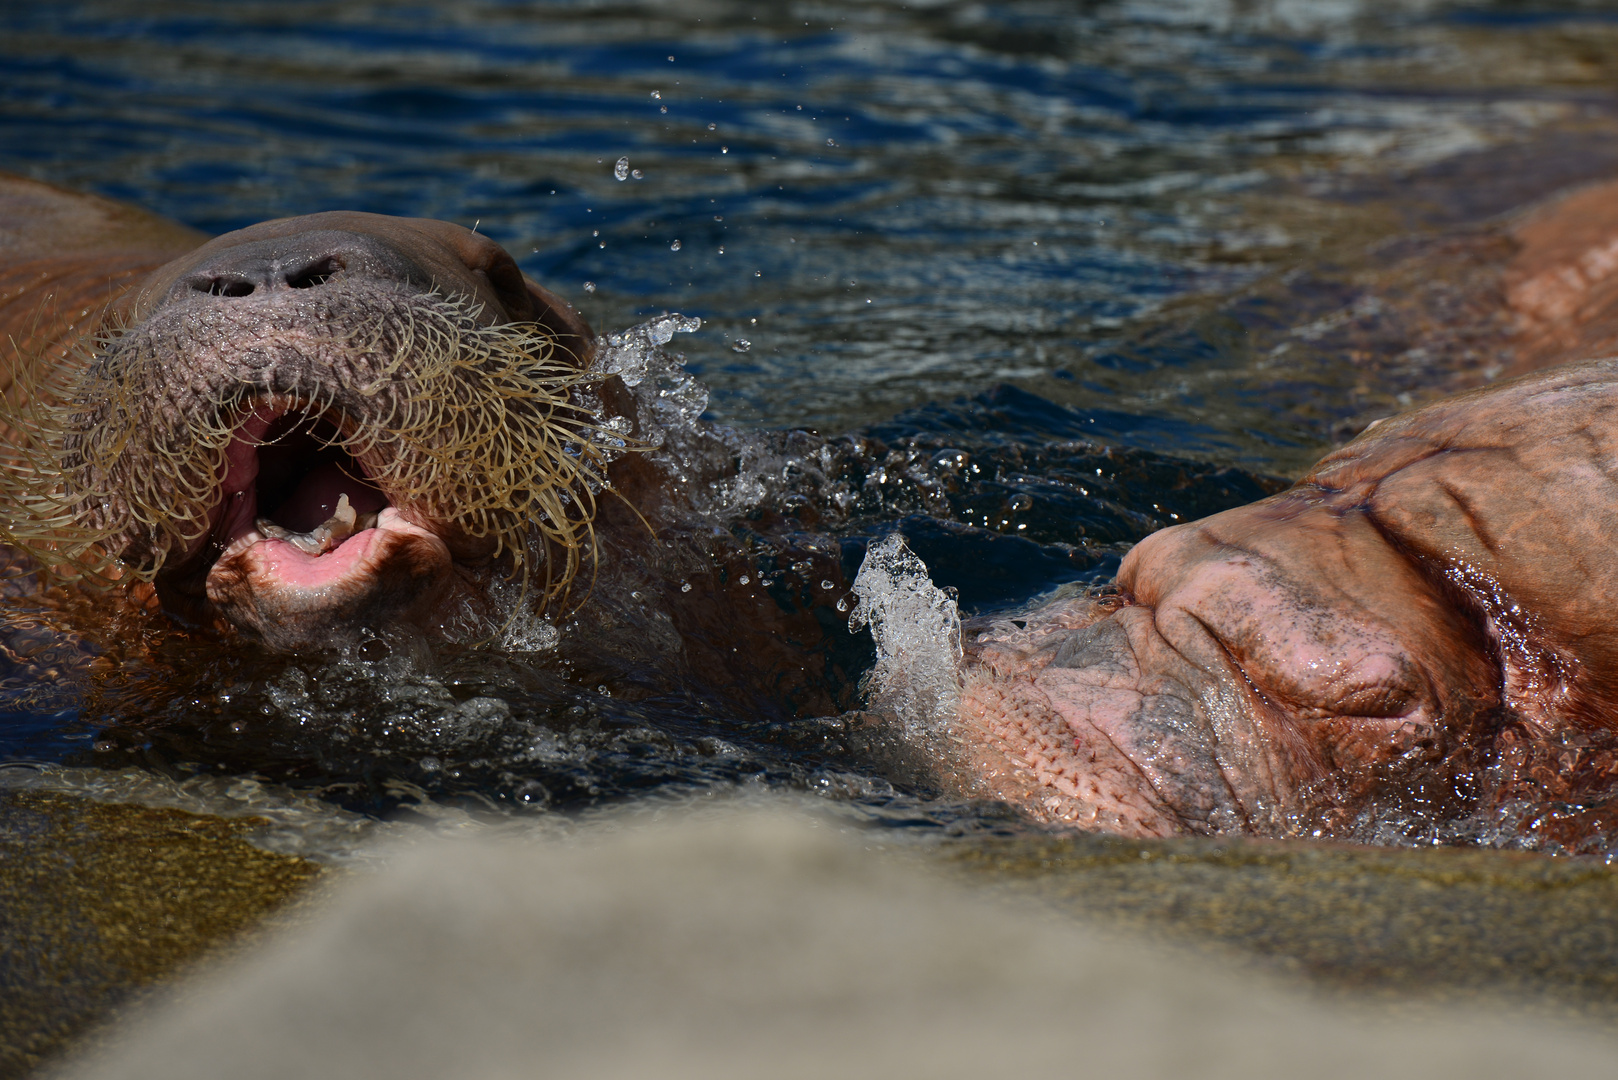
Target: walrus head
311,425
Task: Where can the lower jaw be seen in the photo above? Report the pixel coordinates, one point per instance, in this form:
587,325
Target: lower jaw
267,590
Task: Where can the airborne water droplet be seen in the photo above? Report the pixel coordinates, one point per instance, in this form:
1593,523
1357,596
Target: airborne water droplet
621,169
589,286
636,173
674,246
741,344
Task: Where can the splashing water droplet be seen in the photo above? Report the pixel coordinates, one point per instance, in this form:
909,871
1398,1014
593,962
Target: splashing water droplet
674,246
713,127
741,344
745,580
589,286
685,586
621,169
637,174
657,95
917,628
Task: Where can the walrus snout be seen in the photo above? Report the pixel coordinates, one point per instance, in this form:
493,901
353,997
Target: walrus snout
274,258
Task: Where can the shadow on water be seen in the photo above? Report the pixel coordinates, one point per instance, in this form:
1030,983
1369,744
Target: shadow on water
1023,282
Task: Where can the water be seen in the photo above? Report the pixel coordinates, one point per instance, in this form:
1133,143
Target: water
1021,282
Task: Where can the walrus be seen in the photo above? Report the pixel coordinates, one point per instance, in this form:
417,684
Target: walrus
334,421
1422,624
293,428
1414,641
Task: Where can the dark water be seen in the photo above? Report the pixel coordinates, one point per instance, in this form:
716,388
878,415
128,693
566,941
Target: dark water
1040,277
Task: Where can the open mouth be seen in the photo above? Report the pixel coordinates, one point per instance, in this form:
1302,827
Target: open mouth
303,542
303,545
290,478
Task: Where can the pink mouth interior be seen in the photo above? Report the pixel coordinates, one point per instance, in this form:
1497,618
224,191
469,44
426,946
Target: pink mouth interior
283,466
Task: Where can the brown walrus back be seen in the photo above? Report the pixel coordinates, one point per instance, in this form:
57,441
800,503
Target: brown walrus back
64,257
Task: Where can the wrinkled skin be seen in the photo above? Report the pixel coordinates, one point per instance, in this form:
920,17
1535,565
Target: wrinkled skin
1368,637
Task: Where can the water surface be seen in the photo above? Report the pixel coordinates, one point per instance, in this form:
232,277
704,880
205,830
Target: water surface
1040,278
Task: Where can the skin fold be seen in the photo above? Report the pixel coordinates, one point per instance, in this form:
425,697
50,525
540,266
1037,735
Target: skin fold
1380,635
1419,627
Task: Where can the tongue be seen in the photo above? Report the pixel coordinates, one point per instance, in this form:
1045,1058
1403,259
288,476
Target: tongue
314,501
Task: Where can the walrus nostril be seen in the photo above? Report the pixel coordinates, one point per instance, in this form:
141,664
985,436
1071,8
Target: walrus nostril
214,286
317,274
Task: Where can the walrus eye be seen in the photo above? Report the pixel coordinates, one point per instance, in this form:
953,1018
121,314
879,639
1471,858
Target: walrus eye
508,284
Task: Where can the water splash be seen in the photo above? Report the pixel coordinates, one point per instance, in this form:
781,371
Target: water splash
636,354
917,627
720,470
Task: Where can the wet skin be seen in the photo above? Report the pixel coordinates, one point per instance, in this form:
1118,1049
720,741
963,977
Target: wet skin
1419,625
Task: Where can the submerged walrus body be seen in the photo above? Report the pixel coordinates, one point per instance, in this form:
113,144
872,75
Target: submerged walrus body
328,423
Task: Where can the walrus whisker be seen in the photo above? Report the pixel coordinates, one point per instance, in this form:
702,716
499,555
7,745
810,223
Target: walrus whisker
460,422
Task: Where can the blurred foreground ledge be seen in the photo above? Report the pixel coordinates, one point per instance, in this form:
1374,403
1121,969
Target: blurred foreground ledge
750,942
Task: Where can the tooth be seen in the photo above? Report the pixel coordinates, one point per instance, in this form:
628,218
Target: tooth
342,524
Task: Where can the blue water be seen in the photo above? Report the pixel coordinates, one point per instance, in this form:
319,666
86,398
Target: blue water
1034,232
